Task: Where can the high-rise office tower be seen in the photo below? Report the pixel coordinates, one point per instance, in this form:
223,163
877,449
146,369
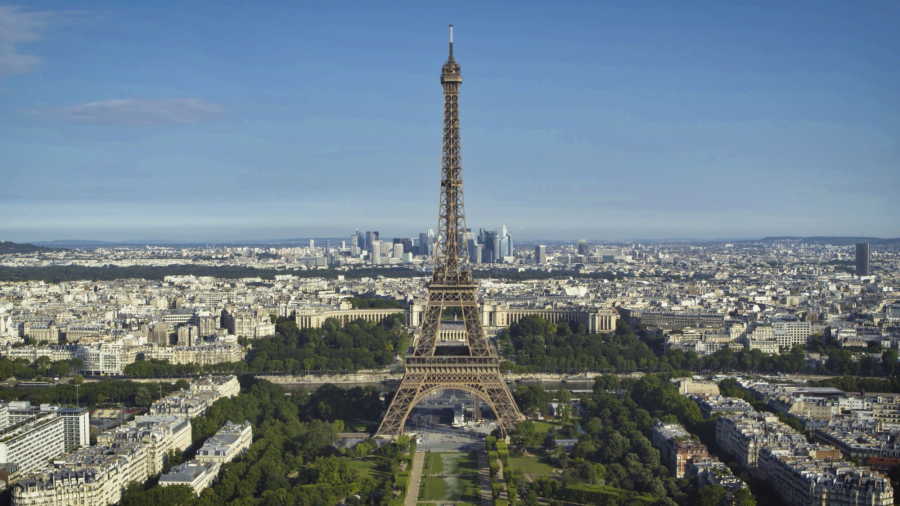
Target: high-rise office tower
582,247
375,251
312,244
490,252
370,237
423,244
360,240
426,243
862,259
540,254
354,245
407,245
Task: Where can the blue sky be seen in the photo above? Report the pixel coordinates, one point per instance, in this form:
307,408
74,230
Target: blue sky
604,120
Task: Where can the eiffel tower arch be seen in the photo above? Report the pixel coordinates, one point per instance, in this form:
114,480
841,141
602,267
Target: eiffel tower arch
438,363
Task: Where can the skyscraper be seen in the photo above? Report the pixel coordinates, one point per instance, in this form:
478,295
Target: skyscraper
540,254
375,251
582,247
312,244
862,259
491,250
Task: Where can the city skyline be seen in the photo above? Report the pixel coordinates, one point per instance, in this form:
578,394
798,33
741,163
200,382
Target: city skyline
274,122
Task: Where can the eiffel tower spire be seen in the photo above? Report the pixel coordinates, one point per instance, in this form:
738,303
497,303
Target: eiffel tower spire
446,364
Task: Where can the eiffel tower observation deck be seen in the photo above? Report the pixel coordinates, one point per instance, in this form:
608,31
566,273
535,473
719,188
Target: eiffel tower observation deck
437,364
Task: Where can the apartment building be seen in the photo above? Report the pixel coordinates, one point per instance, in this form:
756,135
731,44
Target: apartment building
158,433
676,448
744,435
710,404
76,421
195,474
223,386
807,475
93,476
31,444
229,442
858,444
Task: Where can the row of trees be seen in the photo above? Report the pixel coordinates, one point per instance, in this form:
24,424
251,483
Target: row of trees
539,345
153,368
536,345
94,392
42,367
839,361
356,345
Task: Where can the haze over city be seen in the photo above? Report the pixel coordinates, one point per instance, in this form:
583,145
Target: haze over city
135,120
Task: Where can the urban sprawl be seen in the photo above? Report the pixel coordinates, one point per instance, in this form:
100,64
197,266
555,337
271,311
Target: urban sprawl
718,307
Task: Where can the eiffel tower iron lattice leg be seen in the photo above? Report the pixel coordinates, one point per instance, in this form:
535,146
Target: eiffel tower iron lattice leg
481,380
437,364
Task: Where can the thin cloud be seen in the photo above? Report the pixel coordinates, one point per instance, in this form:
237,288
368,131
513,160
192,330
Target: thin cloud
137,112
16,28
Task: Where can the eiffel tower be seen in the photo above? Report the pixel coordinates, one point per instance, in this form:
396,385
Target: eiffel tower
438,364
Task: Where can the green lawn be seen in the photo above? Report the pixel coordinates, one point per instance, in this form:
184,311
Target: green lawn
544,426
367,467
451,463
530,465
449,488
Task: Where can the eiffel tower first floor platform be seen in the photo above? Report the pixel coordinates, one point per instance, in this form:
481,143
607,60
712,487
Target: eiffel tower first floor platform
479,376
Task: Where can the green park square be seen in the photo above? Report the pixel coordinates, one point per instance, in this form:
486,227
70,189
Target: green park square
450,463
449,489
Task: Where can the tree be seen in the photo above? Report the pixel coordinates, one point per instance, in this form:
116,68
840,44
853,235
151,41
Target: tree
78,379
743,497
182,384
889,361
526,435
173,458
531,398
142,397
711,495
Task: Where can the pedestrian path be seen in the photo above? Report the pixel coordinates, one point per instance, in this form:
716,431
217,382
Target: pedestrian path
484,478
415,479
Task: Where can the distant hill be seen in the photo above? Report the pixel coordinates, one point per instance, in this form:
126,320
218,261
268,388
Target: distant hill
7,247
836,241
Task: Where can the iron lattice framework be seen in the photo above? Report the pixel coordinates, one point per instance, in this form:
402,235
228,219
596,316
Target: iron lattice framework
436,365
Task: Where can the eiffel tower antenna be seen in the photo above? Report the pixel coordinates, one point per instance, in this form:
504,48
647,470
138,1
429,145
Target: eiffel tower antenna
447,364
